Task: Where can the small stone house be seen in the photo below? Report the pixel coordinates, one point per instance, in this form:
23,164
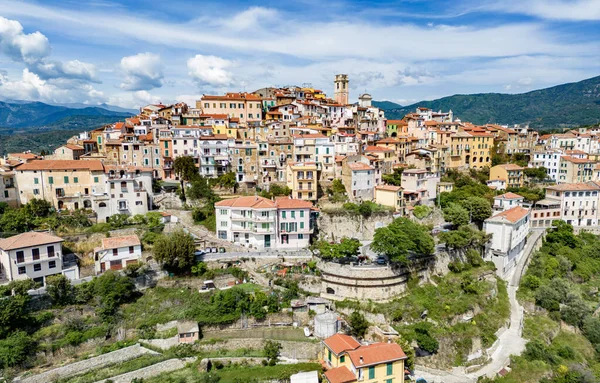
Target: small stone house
117,252
188,332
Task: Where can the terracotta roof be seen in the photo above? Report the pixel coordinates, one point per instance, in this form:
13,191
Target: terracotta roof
116,242
378,149
32,238
577,160
339,343
510,167
359,166
292,203
119,125
511,215
389,188
73,147
395,122
340,375
576,186
509,195
376,353
23,156
315,135
92,165
251,201
233,96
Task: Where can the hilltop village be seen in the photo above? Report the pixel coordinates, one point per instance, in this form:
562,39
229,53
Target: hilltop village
285,235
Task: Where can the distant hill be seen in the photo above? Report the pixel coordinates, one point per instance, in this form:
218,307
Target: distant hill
566,105
37,114
386,105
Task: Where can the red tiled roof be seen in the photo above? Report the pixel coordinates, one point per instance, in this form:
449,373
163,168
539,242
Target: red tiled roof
340,375
509,195
28,239
339,343
116,242
512,215
378,149
359,166
251,201
92,165
376,353
292,203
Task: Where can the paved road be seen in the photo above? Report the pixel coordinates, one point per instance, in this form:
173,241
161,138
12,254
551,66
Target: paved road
510,341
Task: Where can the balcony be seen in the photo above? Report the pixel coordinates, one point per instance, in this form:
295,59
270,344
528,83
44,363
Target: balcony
268,164
260,230
270,218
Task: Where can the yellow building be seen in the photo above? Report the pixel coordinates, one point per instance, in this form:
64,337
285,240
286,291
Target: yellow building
302,178
510,173
349,361
389,195
245,106
470,149
63,183
575,170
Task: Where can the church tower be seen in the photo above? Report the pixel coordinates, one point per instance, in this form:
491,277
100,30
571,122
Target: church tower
340,86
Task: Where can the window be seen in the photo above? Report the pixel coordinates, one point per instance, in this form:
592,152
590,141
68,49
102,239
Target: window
293,214
76,179
36,191
36,181
265,226
372,372
20,257
300,236
6,194
22,270
283,214
223,223
52,264
115,252
50,180
301,213
50,250
37,267
130,249
329,355
35,253
66,179
139,203
301,225
389,381
390,368
342,358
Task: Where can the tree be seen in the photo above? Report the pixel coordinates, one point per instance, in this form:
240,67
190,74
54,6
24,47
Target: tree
358,324
479,208
395,178
464,236
456,214
401,237
38,208
13,313
424,338
59,289
539,174
348,247
591,330
409,351
110,291
574,311
118,220
228,181
562,233
271,351
185,168
15,349
421,211
175,251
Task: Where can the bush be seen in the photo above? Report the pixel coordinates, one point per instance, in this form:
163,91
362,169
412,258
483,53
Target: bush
358,324
271,351
422,211
424,339
15,349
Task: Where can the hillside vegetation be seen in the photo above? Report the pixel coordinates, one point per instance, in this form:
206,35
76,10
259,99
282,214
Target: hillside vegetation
565,105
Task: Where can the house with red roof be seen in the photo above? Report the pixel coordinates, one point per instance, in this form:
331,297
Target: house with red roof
347,361
262,223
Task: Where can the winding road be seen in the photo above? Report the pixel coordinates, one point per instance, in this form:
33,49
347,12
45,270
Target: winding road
510,342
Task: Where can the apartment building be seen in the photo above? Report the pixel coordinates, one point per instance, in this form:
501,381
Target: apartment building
420,183
507,201
68,152
302,178
391,196
549,159
66,184
575,170
245,162
578,203
358,176
511,174
316,148
245,106
509,230
349,361
261,223
8,188
116,253
34,255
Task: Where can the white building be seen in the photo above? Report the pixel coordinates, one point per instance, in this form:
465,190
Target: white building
550,159
117,252
509,230
578,202
422,182
261,223
507,201
359,178
34,255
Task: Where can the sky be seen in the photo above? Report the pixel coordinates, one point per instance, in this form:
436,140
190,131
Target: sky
131,53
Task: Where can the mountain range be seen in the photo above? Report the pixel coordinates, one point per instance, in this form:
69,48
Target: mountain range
561,106
22,114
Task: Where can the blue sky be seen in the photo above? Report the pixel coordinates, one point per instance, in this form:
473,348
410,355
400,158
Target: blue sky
130,53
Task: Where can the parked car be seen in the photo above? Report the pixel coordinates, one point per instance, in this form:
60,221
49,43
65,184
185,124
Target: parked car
381,260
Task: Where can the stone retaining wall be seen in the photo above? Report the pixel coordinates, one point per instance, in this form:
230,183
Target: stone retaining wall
289,349
336,226
84,366
151,371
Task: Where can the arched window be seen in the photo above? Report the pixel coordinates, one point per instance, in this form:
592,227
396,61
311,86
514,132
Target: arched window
329,290
101,204
87,204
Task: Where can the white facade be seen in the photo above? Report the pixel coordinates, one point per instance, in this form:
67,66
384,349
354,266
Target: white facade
578,202
507,201
421,181
33,255
509,230
550,159
260,223
116,253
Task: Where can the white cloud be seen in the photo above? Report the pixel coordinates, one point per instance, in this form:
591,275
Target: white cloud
143,71
32,87
210,70
576,10
73,69
189,99
250,18
21,46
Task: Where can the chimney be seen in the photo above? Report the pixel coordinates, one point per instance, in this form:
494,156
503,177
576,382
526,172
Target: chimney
361,360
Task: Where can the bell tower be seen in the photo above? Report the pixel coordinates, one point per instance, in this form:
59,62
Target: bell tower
340,86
